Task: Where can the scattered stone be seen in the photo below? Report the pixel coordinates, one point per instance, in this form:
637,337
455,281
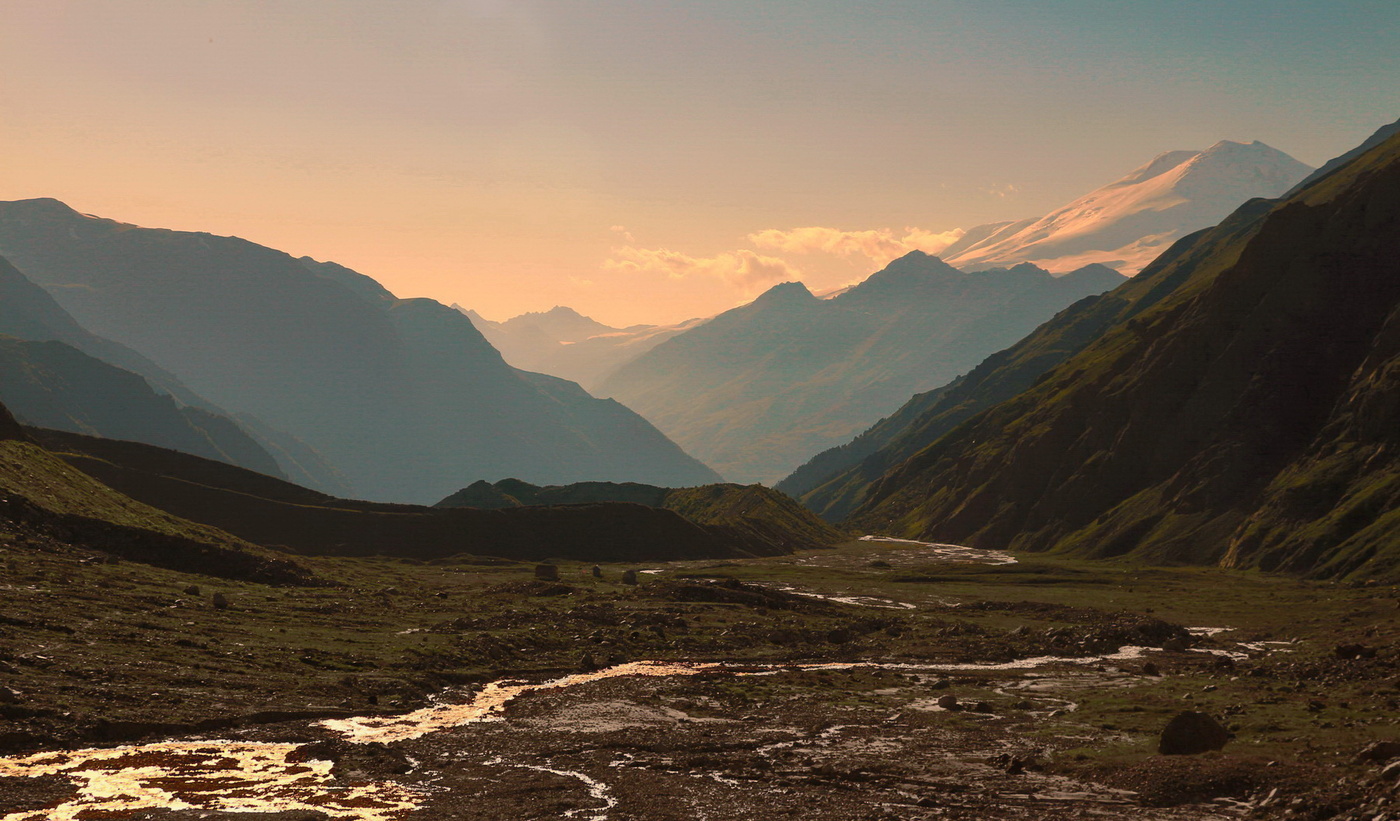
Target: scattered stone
949,702
597,572
547,572
1378,751
1189,733
220,601
629,577
192,590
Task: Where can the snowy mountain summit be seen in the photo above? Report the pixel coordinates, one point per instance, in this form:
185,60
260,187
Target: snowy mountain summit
1127,223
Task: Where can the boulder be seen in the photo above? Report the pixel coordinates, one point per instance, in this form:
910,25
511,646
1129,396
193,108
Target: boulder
1189,733
629,577
547,572
949,702
220,601
1380,751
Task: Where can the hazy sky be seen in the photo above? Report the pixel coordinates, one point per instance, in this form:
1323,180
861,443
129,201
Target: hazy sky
626,158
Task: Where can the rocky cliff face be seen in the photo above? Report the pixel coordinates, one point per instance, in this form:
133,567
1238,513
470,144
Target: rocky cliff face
1242,419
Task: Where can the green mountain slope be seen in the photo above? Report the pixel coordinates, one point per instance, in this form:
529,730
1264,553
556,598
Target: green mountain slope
834,482
42,497
1226,423
404,397
758,389
753,513
278,514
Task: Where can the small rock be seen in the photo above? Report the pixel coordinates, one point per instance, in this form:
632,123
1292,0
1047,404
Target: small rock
192,590
629,577
587,664
1190,732
1347,652
9,695
1316,706
949,702
1173,645
1380,751
547,572
1024,705
597,572
981,707
1150,669
220,601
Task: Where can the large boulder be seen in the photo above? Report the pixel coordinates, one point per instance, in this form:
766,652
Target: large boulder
1190,733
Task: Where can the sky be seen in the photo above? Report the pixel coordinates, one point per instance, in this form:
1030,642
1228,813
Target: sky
648,162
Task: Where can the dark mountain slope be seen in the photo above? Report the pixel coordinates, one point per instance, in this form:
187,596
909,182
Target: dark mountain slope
402,396
1222,424
834,482
757,389
44,500
277,514
754,512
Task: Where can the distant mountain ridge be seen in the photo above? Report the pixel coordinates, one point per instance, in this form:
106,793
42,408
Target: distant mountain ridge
1129,222
758,389
564,343
404,397
1244,414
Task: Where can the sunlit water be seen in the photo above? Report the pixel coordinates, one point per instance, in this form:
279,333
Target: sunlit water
240,776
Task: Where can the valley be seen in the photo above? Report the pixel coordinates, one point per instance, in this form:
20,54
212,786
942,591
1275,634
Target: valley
805,685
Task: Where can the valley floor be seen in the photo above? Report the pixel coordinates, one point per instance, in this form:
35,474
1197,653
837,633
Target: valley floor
822,701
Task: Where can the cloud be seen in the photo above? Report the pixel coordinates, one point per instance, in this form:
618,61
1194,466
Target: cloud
745,269
881,245
622,229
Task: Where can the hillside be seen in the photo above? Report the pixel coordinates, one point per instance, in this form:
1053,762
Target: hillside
278,514
1129,222
758,389
753,512
44,500
1244,419
403,397
834,482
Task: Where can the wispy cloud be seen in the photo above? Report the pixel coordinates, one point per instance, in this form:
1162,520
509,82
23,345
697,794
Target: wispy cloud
745,269
881,244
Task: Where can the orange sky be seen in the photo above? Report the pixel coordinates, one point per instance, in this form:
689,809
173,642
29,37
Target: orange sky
647,162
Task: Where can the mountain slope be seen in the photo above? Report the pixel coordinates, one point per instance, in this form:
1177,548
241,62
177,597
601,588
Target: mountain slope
834,482
1129,222
1243,419
279,514
43,499
404,397
53,385
757,389
753,513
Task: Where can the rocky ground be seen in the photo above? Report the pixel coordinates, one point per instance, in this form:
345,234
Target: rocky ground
928,707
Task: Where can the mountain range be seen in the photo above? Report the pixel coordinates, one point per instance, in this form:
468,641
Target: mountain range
1128,223
402,397
756,390
1233,404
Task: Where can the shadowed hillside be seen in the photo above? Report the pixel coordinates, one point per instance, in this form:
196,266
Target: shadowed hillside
278,514
1247,418
752,512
